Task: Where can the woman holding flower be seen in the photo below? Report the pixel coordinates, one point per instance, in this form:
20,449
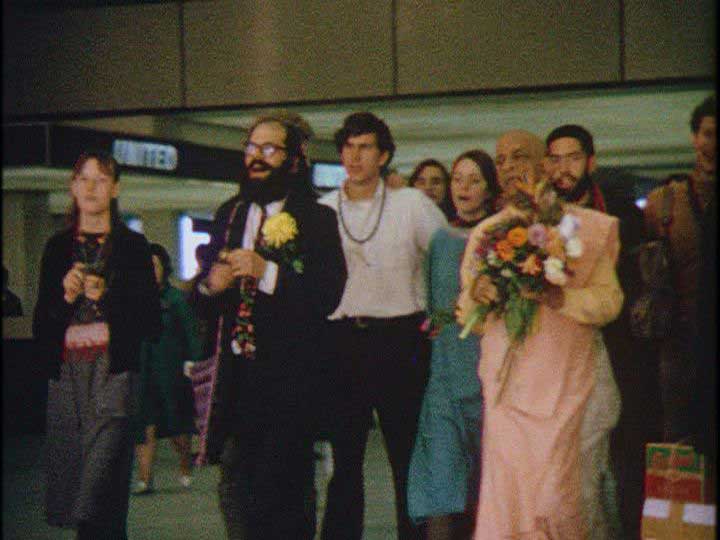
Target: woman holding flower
536,297
97,302
444,469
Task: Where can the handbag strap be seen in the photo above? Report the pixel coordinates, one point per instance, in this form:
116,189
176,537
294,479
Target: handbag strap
694,199
666,210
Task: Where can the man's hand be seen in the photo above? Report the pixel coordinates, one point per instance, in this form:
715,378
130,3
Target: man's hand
219,278
245,262
74,282
483,291
553,297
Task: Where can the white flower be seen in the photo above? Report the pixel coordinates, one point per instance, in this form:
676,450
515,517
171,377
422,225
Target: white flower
506,273
574,247
493,259
568,226
554,271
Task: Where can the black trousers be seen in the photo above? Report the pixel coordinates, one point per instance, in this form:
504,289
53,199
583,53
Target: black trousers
264,473
382,364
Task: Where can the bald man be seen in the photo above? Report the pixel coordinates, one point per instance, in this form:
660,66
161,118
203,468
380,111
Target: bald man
520,153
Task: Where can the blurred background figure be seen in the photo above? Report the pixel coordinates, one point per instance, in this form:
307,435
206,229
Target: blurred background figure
432,178
12,307
394,179
166,402
690,200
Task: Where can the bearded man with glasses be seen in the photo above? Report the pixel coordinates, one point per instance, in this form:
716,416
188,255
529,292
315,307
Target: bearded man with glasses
613,437
275,271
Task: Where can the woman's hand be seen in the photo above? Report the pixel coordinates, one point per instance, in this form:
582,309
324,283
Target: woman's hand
74,282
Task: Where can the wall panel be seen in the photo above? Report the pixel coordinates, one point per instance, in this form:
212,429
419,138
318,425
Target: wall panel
241,51
454,46
96,59
670,38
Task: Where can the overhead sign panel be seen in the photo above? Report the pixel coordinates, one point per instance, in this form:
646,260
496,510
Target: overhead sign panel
163,157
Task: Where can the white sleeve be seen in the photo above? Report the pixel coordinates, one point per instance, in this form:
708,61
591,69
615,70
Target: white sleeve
269,280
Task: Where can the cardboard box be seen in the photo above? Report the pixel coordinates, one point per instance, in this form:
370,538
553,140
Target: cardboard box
674,472
671,520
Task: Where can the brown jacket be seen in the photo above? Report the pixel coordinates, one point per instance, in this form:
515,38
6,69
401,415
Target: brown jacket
685,240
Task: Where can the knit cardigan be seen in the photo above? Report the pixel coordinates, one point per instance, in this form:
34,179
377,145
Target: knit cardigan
132,304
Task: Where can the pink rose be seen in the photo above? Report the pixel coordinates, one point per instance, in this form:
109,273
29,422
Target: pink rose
537,235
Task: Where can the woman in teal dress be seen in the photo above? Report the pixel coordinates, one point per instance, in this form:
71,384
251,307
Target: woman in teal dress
166,400
444,469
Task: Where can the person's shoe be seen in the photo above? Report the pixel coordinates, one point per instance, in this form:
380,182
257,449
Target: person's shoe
142,488
185,481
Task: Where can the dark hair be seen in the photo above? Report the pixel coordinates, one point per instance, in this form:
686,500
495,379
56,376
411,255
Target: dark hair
108,165
295,138
706,108
576,132
487,167
446,205
361,123
162,254
430,162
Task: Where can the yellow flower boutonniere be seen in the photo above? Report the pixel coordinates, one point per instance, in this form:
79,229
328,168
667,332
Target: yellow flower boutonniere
279,233
279,229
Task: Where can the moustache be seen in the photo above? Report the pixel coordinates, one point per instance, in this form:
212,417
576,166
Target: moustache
259,165
570,178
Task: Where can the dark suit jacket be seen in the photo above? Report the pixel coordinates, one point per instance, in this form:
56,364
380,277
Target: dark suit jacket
279,384
132,302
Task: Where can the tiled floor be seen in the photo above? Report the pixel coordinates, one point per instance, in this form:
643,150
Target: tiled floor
171,512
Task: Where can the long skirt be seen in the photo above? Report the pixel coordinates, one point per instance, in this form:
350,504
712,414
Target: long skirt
89,445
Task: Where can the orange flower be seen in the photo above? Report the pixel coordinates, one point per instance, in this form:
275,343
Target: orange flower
517,236
504,250
531,265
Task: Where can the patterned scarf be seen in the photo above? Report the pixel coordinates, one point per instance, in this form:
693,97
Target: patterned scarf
242,335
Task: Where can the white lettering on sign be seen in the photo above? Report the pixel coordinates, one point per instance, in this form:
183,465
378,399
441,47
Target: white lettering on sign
657,508
699,514
141,154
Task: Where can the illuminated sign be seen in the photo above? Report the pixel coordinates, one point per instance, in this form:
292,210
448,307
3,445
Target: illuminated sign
163,157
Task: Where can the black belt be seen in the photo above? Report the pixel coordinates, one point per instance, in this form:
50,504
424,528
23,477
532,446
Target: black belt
362,322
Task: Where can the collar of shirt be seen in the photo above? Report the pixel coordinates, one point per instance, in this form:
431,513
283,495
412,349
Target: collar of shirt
377,194
252,222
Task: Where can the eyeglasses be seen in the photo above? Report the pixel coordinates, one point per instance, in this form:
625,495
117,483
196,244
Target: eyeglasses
574,157
266,149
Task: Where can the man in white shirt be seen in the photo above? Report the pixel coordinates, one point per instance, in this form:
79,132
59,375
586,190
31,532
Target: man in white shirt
270,289
375,331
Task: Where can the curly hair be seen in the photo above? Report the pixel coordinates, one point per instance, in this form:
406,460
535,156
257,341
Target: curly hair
361,123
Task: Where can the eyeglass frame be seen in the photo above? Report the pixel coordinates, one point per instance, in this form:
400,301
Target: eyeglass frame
572,157
267,149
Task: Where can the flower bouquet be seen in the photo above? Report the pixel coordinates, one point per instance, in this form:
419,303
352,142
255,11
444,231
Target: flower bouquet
521,255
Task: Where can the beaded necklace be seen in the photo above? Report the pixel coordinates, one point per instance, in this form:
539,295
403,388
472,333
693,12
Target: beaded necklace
377,222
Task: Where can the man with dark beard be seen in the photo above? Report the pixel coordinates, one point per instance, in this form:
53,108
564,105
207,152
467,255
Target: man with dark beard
570,163
277,271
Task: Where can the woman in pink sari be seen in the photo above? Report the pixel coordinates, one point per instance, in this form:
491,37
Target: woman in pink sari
535,398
